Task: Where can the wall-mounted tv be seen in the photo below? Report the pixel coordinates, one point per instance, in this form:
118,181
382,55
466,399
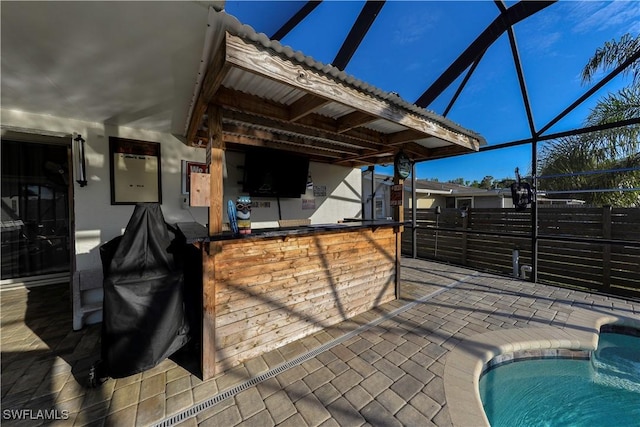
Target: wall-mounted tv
274,173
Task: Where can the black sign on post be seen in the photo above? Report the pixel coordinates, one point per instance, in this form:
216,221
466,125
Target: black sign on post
402,165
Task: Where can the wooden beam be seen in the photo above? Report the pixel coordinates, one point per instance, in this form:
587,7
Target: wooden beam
326,138
251,58
251,104
215,149
257,138
403,137
305,106
216,72
354,120
295,143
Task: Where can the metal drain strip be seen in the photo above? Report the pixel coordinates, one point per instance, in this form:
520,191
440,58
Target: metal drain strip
202,406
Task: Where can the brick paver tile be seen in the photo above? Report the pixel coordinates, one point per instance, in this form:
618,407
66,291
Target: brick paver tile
330,423
435,390
407,387
408,349
294,421
227,418
377,415
389,369
343,353
376,383
204,391
189,422
297,390
273,358
279,406
346,380
232,377
360,345
391,401
361,367
261,419
249,402
152,385
178,386
338,366
326,357
123,418
256,366
419,372
437,368
93,415
384,347
319,378
267,387
179,402
151,410
358,397
312,410
396,358
344,414
125,396
312,365
409,416
291,375
425,405
443,418
327,394
370,356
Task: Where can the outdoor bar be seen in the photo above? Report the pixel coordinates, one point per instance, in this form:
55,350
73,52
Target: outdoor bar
264,289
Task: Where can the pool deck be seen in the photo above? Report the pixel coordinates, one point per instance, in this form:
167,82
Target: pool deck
413,362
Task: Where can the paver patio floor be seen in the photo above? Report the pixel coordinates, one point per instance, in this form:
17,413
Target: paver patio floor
382,368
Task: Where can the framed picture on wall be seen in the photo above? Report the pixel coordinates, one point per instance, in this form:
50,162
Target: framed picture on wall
134,171
189,167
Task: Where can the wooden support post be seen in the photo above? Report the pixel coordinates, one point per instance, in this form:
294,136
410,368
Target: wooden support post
606,248
398,215
208,347
215,159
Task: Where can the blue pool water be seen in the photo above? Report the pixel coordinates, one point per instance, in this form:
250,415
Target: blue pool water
603,391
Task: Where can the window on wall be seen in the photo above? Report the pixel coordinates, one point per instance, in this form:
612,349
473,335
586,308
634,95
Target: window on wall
466,202
380,214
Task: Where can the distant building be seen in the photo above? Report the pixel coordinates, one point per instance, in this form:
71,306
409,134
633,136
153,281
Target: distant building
430,194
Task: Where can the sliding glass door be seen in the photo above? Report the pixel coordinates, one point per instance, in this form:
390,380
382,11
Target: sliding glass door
35,210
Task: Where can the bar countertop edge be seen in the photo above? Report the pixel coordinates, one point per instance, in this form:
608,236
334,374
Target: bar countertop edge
195,232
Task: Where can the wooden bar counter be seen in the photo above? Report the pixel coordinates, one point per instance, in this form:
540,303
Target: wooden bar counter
275,286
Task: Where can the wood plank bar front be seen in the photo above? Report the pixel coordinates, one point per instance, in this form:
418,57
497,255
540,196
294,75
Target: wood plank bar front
260,293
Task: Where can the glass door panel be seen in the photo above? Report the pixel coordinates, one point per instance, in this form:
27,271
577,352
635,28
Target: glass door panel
34,226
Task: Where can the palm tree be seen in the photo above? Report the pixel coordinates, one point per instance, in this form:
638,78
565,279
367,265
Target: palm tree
617,148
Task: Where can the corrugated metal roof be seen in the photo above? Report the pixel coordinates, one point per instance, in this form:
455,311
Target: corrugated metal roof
247,33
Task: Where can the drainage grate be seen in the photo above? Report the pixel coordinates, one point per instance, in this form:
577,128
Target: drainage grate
196,409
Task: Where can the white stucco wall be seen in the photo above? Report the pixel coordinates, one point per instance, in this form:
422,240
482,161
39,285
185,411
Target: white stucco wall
342,198
97,221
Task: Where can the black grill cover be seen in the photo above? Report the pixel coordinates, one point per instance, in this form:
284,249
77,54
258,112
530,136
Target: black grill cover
143,308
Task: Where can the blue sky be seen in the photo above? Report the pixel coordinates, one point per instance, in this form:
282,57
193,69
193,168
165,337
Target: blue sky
413,42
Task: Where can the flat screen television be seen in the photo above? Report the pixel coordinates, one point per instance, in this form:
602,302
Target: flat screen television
272,173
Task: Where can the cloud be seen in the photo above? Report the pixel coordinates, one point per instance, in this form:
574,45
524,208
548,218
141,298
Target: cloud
590,17
412,28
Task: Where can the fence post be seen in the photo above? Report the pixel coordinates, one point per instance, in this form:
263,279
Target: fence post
465,224
606,248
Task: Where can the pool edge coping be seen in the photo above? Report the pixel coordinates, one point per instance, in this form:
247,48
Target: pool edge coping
466,362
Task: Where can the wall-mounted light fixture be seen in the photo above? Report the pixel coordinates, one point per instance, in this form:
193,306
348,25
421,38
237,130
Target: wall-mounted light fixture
80,162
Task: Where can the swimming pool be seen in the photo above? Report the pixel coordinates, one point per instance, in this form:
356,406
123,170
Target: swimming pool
602,391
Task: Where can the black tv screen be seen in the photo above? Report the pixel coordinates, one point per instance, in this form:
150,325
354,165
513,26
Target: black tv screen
271,173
